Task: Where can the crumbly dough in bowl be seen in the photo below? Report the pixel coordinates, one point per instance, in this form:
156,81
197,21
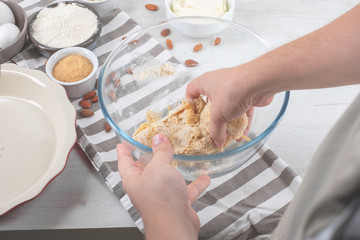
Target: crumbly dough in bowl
187,128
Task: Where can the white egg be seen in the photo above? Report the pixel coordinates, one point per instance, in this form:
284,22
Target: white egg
8,34
6,15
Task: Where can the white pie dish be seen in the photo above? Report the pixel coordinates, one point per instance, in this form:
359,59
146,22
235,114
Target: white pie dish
37,133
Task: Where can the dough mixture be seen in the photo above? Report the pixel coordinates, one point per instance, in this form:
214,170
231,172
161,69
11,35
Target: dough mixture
187,128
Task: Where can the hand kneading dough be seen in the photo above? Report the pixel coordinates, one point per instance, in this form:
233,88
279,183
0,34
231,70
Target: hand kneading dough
187,128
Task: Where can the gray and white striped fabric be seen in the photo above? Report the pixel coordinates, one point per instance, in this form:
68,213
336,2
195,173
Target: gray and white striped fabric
244,204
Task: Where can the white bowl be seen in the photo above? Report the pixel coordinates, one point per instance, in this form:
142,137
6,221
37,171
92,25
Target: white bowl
200,28
79,88
102,7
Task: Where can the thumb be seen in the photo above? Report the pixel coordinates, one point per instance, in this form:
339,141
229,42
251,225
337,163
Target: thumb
162,149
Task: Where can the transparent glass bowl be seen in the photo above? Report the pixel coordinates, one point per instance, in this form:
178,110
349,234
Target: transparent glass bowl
131,82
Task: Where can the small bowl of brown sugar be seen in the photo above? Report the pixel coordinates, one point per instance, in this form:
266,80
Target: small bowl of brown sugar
75,69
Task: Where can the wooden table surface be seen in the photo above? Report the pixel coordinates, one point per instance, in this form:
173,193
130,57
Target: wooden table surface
79,198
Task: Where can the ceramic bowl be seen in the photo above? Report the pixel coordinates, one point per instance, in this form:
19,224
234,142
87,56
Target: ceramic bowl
47,51
79,88
21,21
200,28
129,86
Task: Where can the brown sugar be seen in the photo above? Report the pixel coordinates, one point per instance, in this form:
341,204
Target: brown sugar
72,68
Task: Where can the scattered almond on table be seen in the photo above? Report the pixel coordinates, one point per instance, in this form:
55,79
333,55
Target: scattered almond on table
134,41
117,82
151,7
169,44
198,47
115,77
85,104
191,63
87,113
165,32
217,41
112,95
107,127
94,99
89,95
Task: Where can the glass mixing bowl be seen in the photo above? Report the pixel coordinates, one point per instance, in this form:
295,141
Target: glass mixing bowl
143,74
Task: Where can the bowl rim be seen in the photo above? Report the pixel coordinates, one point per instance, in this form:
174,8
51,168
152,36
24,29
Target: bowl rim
226,14
186,158
95,2
73,50
85,43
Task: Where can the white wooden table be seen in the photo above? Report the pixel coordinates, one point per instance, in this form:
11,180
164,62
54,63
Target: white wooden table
79,198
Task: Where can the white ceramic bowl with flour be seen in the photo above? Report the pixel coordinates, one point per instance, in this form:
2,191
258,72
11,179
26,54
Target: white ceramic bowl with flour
64,24
79,88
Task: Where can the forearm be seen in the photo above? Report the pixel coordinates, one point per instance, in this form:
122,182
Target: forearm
328,57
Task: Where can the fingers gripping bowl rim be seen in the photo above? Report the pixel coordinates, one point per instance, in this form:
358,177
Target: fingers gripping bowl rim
236,41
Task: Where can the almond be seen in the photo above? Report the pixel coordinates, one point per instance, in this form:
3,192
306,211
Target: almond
169,44
85,104
107,127
94,99
165,32
151,7
86,113
89,95
112,95
217,41
117,82
129,71
198,47
133,41
113,75
191,63
123,38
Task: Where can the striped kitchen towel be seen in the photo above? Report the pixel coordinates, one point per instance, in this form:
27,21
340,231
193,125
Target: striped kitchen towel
244,204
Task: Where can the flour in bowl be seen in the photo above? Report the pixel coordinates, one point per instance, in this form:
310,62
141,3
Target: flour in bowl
64,25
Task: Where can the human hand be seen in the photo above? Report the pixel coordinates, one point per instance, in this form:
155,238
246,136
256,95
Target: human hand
232,92
159,192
